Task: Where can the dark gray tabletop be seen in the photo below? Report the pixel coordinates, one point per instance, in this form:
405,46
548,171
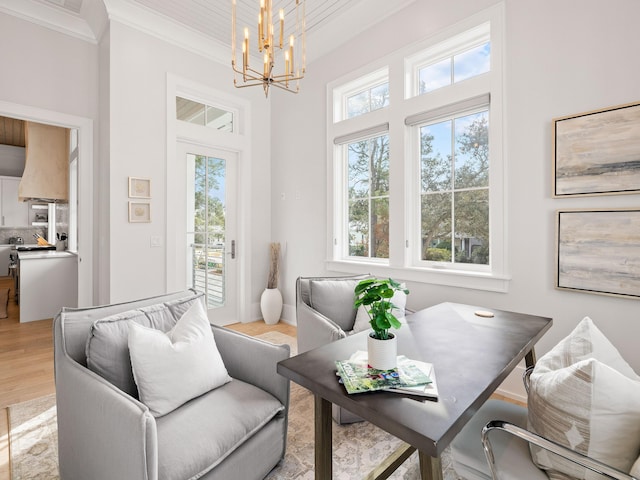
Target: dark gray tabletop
471,355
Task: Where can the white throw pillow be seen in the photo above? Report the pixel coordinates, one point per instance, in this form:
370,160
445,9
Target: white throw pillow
585,396
172,368
399,299
635,469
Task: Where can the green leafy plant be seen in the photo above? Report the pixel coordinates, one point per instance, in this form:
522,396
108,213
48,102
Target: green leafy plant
375,295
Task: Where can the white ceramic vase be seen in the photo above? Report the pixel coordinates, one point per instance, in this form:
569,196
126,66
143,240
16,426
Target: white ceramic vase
271,305
383,354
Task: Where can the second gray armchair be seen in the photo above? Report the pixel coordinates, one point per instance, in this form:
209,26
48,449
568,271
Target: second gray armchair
324,314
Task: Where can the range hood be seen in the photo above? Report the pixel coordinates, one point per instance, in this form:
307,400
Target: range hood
46,169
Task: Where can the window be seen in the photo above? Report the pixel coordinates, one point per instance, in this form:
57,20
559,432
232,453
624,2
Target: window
206,115
361,96
368,100
206,226
418,185
467,64
454,193
368,194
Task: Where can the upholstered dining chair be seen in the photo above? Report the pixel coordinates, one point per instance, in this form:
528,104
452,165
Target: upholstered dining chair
492,449
582,419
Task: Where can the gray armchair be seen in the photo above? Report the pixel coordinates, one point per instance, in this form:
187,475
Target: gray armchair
494,445
237,430
324,314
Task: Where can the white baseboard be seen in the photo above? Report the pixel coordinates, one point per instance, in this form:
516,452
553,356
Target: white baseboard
512,387
288,315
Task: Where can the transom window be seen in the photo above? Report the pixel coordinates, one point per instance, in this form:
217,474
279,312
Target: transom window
368,100
361,96
207,115
456,68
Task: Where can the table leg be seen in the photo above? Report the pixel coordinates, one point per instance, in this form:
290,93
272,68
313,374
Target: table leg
430,467
391,464
323,447
530,358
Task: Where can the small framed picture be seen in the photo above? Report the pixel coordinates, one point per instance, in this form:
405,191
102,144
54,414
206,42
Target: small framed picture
139,187
139,212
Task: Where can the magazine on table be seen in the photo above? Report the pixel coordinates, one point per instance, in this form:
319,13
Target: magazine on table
410,377
428,391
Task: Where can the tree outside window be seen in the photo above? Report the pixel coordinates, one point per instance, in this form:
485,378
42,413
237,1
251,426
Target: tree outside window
454,156
368,193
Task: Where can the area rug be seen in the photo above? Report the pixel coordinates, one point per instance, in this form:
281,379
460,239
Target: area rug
278,338
357,448
33,439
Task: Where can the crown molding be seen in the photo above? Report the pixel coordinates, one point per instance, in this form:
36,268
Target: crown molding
147,21
49,17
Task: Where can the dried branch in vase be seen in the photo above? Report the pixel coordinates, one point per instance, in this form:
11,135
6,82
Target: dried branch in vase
272,281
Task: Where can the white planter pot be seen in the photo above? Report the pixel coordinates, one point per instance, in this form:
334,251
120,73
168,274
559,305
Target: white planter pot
383,354
271,305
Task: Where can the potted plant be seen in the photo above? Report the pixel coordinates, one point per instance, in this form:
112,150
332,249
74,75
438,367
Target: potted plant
375,295
271,299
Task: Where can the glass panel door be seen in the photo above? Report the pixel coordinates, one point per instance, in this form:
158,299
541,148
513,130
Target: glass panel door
210,257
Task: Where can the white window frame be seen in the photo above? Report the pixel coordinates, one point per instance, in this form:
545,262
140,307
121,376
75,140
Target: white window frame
233,110
342,191
406,109
359,85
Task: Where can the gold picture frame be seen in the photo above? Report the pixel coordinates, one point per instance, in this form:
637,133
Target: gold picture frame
139,187
139,212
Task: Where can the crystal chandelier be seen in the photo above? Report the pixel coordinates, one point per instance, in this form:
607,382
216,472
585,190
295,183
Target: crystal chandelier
287,75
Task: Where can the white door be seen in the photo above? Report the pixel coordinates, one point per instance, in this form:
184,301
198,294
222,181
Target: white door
210,253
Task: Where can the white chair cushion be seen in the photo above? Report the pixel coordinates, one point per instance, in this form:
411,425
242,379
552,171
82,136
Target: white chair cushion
172,368
585,396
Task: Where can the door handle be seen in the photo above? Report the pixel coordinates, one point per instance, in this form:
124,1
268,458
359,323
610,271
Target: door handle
233,249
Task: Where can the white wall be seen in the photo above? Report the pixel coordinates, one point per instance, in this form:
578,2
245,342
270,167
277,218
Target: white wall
561,58
137,118
47,69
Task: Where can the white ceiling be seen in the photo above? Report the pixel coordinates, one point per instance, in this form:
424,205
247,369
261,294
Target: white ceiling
213,17
186,22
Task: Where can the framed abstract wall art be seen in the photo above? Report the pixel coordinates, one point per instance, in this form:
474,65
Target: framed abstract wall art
597,153
598,251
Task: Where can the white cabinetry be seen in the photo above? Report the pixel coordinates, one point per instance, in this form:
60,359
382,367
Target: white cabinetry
14,213
5,251
48,282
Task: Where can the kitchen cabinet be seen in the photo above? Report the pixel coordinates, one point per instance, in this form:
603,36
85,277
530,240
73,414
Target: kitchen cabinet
48,282
13,212
5,251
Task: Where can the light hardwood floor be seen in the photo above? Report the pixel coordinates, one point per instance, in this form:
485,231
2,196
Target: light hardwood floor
26,363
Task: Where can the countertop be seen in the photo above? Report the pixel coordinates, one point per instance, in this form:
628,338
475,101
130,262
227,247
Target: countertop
44,254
